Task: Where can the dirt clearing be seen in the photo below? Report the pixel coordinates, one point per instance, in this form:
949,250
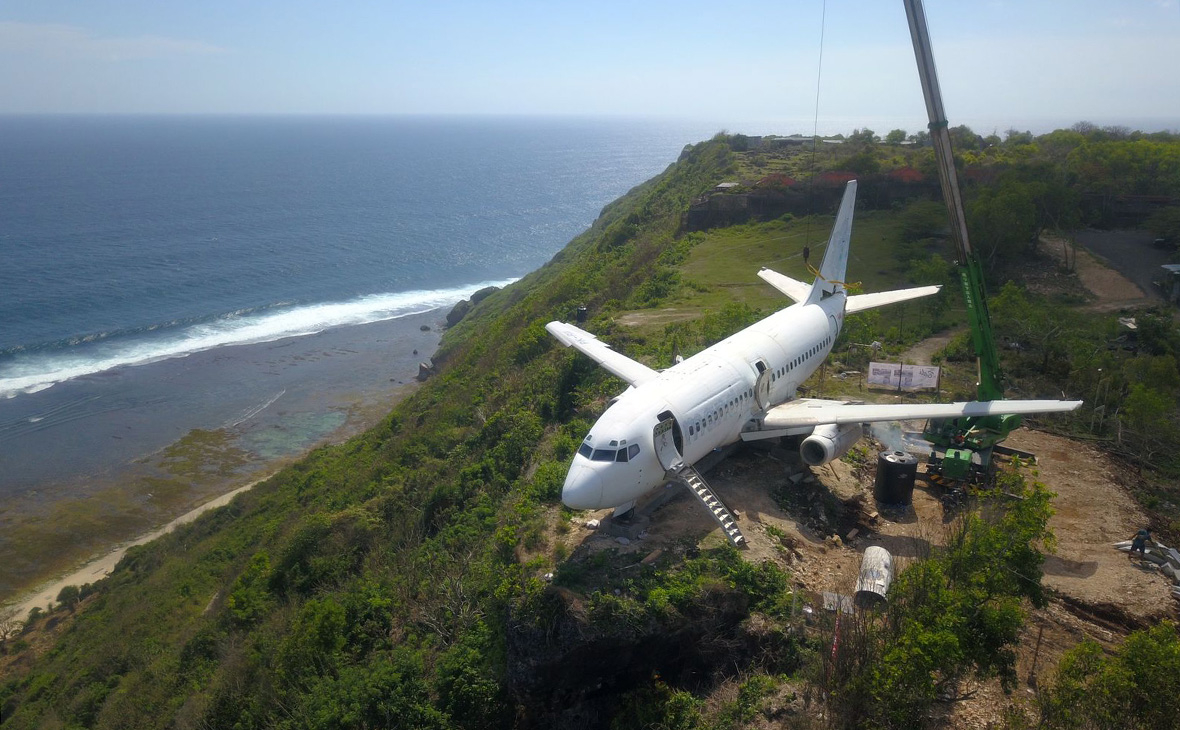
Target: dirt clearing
1098,592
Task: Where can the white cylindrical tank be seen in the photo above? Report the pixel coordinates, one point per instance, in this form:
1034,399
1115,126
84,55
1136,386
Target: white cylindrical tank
876,573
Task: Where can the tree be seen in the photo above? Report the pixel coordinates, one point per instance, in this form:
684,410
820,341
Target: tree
923,219
862,138
1165,223
69,597
897,136
1003,221
965,138
10,626
1135,686
1013,137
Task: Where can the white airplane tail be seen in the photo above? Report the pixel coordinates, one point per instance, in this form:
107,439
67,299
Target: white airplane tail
835,266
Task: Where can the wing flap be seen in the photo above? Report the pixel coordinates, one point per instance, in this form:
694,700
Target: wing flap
861,302
816,412
796,290
613,361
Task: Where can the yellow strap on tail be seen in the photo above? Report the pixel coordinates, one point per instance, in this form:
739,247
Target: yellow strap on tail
844,284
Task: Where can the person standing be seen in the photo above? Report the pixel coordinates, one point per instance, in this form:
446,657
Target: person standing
1139,542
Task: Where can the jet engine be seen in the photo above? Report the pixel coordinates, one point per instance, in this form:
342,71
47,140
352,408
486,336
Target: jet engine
828,442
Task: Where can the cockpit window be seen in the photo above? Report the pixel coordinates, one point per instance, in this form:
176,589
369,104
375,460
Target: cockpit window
632,450
585,450
603,455
622,455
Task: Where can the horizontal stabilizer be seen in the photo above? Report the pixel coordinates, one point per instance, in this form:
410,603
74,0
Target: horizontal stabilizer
793,288
816,412
861,302
614,362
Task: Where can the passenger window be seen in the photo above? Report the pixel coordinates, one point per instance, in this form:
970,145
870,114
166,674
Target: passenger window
603,455
585,450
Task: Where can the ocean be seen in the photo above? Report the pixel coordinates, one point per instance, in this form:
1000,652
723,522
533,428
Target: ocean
184,298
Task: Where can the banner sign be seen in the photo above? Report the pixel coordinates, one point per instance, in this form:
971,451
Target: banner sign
902,377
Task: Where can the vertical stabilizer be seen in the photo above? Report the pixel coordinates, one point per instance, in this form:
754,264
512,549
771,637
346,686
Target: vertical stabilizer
832,270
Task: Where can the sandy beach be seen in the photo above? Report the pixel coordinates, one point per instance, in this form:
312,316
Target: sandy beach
102,566
188,435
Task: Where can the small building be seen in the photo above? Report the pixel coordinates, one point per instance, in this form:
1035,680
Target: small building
727,187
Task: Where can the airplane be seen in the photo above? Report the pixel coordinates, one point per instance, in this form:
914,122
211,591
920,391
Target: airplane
742,388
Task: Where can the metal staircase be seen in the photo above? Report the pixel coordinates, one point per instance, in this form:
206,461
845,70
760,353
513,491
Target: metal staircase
692,479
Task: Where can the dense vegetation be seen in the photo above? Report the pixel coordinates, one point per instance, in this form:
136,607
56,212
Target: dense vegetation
396,580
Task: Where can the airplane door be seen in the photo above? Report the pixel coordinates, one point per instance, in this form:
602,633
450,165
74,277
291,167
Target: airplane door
665,437
762,386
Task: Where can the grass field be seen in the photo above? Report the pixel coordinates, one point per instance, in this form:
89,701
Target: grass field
723,263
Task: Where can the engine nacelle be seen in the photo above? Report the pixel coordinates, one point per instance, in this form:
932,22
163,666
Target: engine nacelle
828,442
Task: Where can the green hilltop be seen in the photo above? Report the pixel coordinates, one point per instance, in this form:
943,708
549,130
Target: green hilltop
401,579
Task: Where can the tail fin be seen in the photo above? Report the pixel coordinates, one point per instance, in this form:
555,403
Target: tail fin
835,264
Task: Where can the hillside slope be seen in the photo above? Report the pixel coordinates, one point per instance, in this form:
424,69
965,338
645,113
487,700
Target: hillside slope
371,582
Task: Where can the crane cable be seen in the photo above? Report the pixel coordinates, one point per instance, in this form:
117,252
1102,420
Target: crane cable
814,142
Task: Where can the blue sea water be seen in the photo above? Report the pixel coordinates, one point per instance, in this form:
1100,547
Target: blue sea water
125,240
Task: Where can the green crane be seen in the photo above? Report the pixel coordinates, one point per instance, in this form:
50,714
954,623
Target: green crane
962,446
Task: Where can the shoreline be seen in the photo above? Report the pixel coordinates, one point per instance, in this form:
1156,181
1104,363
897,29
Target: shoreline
373,368
100,565
97,568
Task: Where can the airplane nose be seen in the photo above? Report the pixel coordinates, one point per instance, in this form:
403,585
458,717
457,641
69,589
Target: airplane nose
582,488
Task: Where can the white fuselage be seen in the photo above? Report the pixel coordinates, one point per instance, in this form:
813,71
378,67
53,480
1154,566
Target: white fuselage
709,398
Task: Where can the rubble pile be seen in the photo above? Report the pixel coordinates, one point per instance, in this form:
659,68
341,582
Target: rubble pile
1164,558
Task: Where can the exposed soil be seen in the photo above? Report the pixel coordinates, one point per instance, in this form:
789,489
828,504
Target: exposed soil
1131,253
1123,254
921,353
1100,593
664,316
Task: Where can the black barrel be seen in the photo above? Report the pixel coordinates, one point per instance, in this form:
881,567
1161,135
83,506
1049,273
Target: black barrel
896,471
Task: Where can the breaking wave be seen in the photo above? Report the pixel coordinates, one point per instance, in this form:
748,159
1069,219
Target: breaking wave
29,372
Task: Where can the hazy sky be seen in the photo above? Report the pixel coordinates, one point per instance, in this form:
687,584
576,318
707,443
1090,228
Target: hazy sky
1101,60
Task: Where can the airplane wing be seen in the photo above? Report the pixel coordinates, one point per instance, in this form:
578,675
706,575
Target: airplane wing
860,302
793,288
816,412
614,362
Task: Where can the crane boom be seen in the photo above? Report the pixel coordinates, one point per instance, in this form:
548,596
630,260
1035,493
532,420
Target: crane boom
989,384
962,447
